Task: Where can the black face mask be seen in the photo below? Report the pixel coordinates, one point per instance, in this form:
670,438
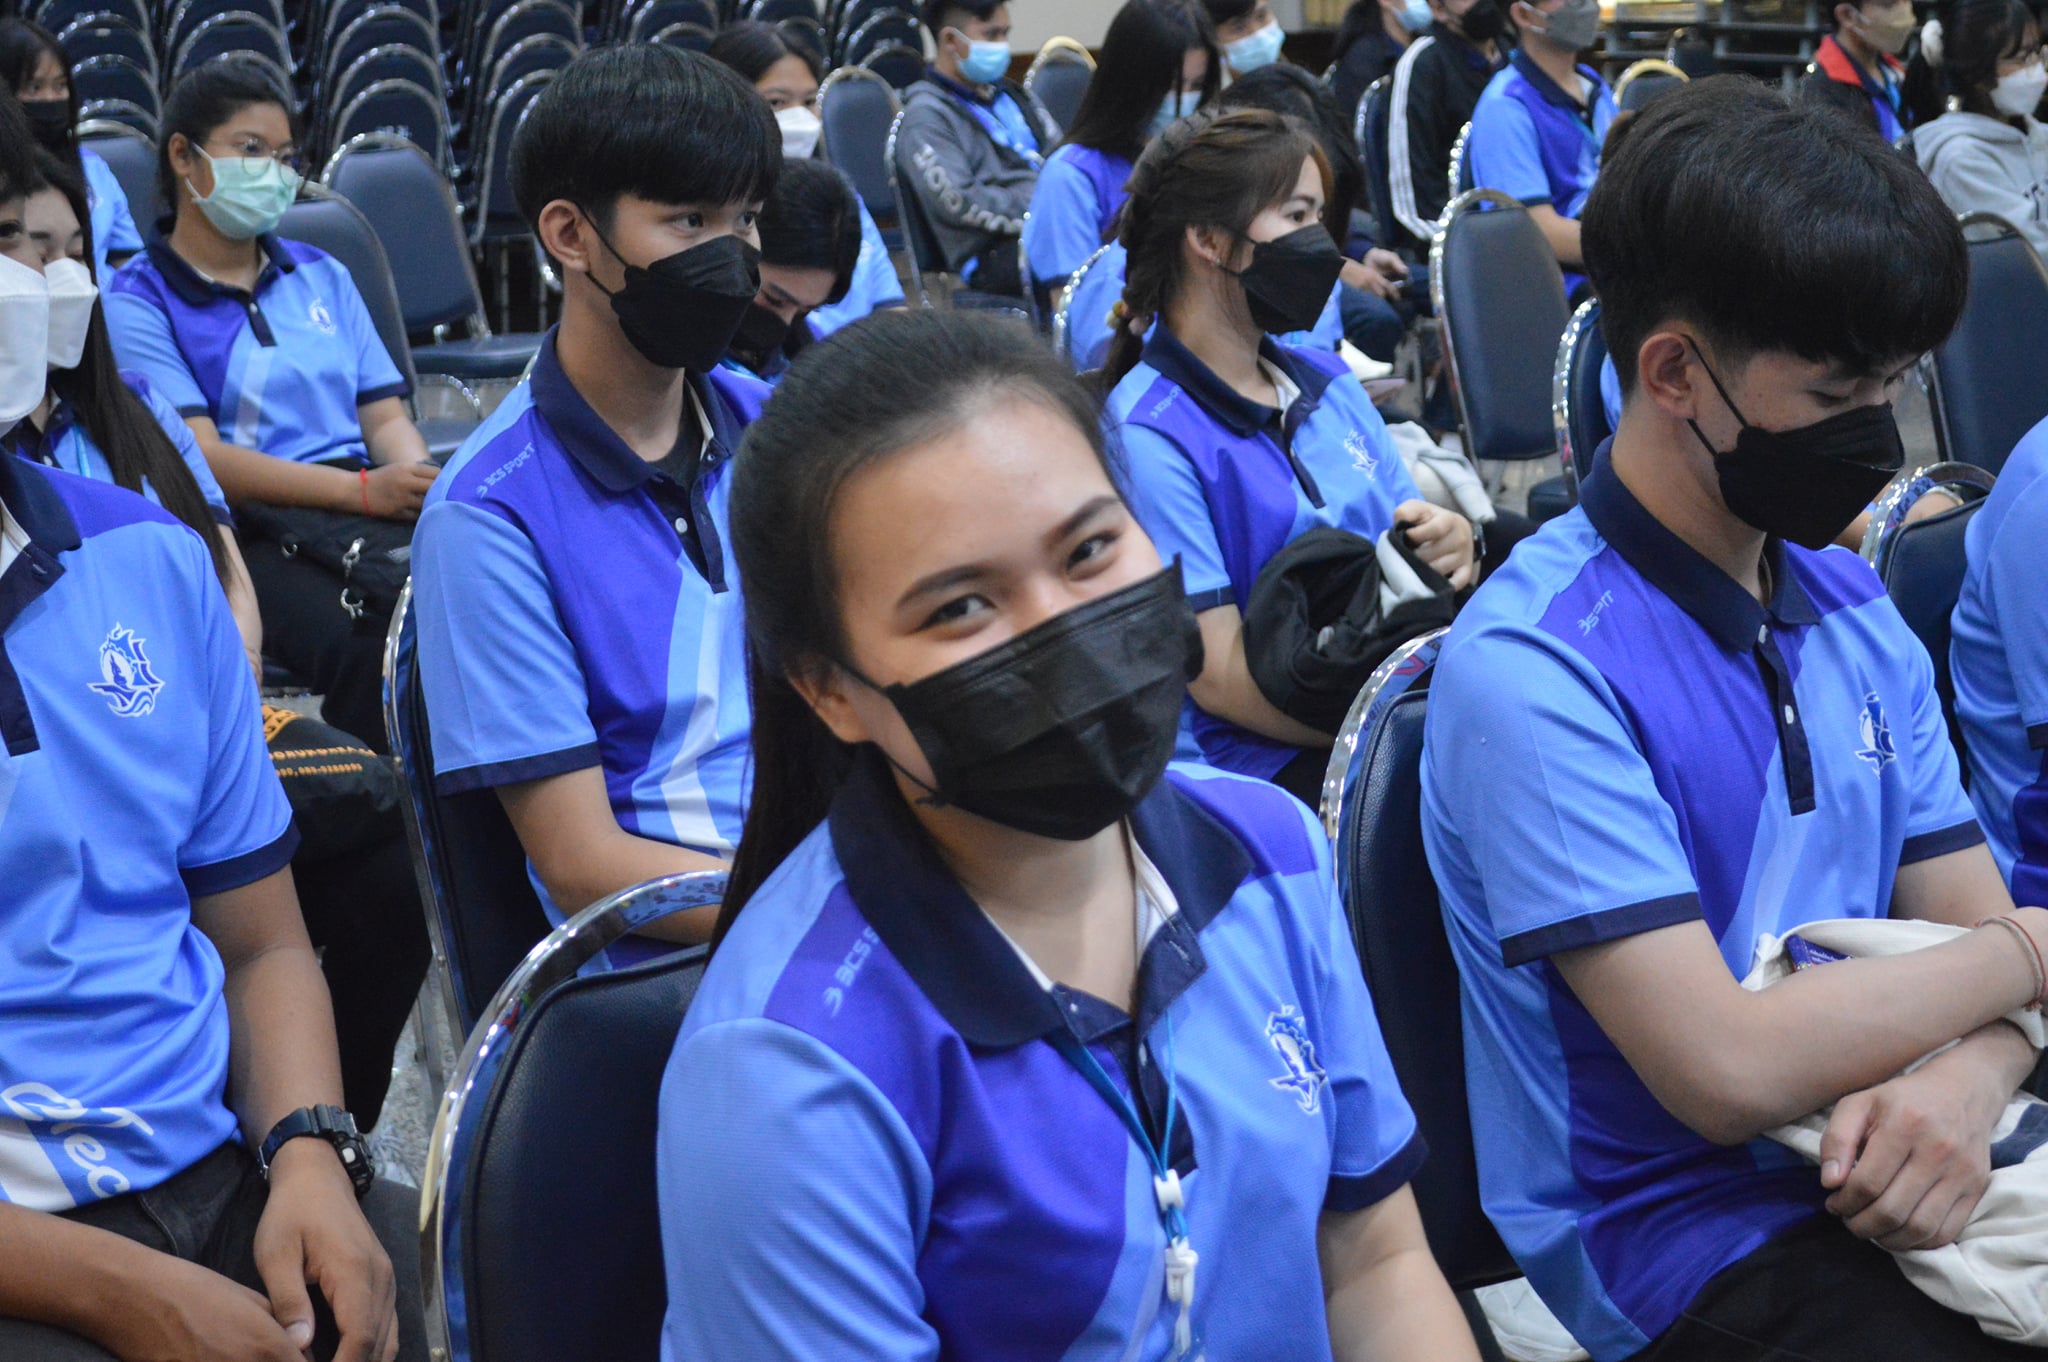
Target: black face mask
1289,280
1061,730
1806,484
681,311
1483,22
50,121
761,334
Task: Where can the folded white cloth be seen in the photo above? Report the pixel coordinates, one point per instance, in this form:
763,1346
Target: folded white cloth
1997,1270
1434,467
1523,1325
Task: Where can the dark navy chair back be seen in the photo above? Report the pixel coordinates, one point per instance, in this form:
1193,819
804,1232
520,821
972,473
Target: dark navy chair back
131,156
1991,375
858,108
1058,79
1579,411
106,36
1500,298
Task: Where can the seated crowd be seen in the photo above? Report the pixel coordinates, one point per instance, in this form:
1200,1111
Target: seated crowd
1003,683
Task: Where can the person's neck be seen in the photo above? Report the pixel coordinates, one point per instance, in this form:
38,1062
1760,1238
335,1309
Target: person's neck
950,69
1225,339
1650,459
1071,906
217,256
1560,64
1860,52
644,404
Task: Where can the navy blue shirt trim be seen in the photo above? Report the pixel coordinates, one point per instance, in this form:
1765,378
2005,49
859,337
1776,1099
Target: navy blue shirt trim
48,523
1355,1194
493,774
398,389
1540,81
1208,600
2037,737
1609,924
1243,417
196,289
249,867
1941,842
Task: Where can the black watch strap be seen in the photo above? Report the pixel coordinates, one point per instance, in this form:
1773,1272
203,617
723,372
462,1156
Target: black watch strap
328,1123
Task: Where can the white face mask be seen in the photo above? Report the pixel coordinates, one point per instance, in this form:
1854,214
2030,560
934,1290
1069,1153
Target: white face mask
2019,94
24,341
72,294
800,129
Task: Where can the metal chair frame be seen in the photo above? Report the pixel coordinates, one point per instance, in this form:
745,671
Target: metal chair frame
1458,151
429,40
108,19
109,61
1062,329
240,18
490,150
372,90
1561,395
672,34
1648,66
1388,682
1964,481
870,25
103,113
904,209
1469,201
557,958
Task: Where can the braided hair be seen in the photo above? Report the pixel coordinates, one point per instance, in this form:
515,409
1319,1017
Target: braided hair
1211,169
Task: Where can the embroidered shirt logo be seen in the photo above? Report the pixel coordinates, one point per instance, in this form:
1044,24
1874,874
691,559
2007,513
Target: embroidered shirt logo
1287,1032
1877,735
1361,455
849,969
126,680
321,317
1592,620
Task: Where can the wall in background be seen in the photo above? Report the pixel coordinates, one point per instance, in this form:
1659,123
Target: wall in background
1033,21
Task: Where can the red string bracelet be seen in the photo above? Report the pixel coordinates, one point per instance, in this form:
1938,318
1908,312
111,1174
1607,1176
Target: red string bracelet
364,475
2033,954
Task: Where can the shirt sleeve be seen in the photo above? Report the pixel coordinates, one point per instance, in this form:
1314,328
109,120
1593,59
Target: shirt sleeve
1940,818
793,1200
377,375
506,696
1169,501
1529,764
2018,594
143,341
1063,230
875,285
243,830
187,444
119,236
1504,153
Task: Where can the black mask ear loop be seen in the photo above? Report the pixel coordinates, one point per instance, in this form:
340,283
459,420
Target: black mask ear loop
1726,400
931,799
606,242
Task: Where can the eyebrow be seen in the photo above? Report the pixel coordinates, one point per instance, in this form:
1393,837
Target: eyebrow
960,575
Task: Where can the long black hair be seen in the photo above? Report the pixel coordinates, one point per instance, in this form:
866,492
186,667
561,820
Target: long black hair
1959,55
888,382
136,448
204,98
1140,65
23,45
750,47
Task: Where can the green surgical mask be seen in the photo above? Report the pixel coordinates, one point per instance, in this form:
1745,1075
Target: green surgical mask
250,194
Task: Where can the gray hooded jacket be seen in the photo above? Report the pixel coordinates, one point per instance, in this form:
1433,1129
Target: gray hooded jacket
974,190
1986,165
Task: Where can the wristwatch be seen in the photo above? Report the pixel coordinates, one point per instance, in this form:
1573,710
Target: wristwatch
331,1124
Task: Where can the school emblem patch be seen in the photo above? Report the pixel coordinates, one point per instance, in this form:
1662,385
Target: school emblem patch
127,681
1877,746
1361,454
1287,1033
321,317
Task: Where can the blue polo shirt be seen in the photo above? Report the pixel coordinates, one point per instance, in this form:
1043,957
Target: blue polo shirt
70,446
577,607
874,287
1535,143
113,226
872,1146
280,370
1999,656
1223,483
1621,738
134,779
1089,333
1078,194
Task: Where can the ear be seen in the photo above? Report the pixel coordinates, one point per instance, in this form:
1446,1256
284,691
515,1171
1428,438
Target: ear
1210,245
1664,376
824,689
565,234
1846,15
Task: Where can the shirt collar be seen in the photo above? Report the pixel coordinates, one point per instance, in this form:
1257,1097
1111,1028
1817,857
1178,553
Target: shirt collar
1180,366
1729,614
196,289
966,92
596,447
1551,91
961,962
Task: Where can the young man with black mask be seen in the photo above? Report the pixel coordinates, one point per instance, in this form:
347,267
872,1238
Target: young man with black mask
580,630
1676,722
1437,83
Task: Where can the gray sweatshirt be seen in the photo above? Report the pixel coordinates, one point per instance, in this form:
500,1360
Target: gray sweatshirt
974,190
1986,165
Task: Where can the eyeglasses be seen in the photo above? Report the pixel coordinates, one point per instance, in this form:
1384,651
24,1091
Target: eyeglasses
242,154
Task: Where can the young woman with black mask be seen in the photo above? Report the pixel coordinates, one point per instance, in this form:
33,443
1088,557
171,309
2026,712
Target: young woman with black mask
810,247
1239,445
33,65
992,980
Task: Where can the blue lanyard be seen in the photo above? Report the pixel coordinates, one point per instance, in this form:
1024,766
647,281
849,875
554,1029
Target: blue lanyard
1166,1190
999,131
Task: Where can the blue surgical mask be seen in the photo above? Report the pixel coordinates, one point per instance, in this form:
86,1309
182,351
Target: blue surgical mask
1254,50
986,63
1173,108
250,194
1415,16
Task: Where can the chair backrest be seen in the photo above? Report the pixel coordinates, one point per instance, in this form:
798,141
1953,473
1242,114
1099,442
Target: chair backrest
1058,78
399,108
858,109
58,15
1922,562
1500,298
1372,810
234,34
899,64
920,242
1644,80
1991,375
649,16
1063,337
884,28
494,204
527,19
408,202
1369,129
482,913
851,15
337,15
181,18
775,11
119,112
97,35
131,155
382,25
546,1136
392,61
688,37
537,52
1578,413
118,79
324,219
